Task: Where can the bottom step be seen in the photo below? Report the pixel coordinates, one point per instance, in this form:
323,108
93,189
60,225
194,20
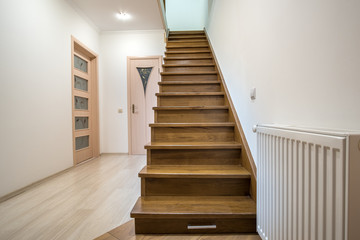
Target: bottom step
166,214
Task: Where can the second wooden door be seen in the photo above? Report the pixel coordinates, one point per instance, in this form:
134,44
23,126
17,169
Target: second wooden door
143,78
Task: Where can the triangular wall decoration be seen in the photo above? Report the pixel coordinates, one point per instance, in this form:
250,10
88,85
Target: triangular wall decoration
144,75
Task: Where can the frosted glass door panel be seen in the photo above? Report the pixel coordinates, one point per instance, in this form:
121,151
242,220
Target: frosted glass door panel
80,64
81,123
81,142
80,83
81,103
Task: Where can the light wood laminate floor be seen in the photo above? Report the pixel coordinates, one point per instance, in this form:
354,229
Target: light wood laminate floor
82,203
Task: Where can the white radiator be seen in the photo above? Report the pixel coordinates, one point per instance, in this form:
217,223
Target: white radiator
308,184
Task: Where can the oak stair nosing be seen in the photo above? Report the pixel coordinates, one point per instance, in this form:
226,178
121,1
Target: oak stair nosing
199,207
194,171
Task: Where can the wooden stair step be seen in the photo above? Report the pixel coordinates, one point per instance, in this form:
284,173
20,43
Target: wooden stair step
172,33
191,114
192,132
191,108
190,41
194,157
217,124
194,171
169,94
188,82
190,59
190,86
188,46
194,207
190,65
189,73
188,51
190,98
194,214
193,145
189,68
186,58
198,36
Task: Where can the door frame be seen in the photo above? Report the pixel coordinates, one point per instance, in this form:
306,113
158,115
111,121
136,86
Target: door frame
80,48
129,58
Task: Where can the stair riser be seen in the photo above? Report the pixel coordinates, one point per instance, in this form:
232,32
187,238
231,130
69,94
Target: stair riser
189,69
194,116
174,54
191,101
188,61
178,226
187,48
195,186
190,77
190,88
186,32
194,156
187,43
186,38
192,134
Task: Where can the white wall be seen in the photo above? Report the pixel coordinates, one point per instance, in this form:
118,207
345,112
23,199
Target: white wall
35,88
186,14
114,48
302,56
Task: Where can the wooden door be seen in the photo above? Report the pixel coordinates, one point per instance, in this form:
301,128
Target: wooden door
143,78
84,103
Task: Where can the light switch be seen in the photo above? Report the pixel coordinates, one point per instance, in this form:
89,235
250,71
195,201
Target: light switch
120,110
253,93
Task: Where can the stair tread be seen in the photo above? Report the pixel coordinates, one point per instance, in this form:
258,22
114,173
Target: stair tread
194,207
188,82
186,58
189,46
216,124
194,171
193,145
189,51
191,108
187,37
190,73
190,94
186,32
190,41
190,65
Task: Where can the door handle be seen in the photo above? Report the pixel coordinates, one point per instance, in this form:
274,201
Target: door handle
133,108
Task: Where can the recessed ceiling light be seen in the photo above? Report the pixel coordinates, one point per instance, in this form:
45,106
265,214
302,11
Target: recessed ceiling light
123,16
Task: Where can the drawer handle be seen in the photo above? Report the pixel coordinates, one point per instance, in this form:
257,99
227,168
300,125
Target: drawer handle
192,227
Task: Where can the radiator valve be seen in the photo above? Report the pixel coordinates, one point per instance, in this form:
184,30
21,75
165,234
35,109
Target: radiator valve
255,126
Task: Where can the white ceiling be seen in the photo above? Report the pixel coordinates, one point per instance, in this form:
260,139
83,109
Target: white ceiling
145,14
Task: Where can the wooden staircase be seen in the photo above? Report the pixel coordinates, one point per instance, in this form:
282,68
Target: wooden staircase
198,179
